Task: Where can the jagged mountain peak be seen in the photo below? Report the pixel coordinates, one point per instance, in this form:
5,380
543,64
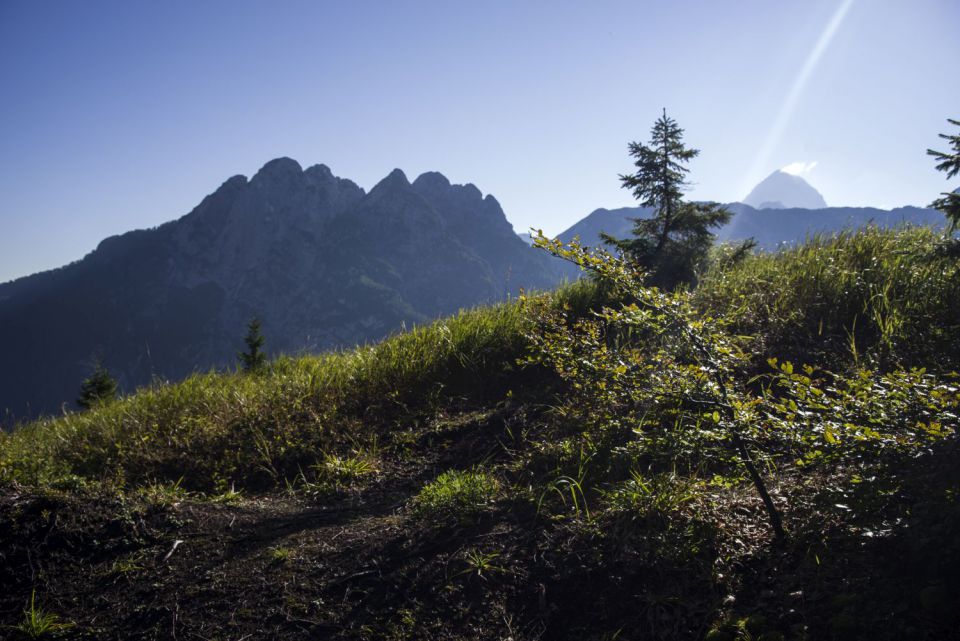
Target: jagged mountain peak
435,184
319,171
782,190
282,167
431,180
233,182
396,178
490,200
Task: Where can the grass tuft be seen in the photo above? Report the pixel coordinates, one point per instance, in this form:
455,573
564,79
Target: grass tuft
457,494
38,623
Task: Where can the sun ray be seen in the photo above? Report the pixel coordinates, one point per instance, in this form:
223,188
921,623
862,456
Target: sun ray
789,105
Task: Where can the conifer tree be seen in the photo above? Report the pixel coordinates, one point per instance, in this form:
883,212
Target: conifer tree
253,360
672,244
99,387
950,163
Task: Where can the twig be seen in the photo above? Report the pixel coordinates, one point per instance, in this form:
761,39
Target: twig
176,544
351,577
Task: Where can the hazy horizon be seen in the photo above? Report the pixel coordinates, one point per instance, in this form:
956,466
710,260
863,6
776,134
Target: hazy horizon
122,116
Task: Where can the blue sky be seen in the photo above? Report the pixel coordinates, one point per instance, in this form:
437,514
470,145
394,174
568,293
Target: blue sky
123,115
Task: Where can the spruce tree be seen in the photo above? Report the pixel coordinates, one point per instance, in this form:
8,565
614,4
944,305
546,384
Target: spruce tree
99,388
950,163
253,360
673,244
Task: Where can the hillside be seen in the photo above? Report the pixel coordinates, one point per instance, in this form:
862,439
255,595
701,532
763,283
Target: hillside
532,470
322,263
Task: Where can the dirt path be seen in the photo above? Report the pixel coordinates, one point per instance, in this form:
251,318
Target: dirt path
350,565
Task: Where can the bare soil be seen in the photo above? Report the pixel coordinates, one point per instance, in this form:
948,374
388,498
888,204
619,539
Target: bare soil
357,565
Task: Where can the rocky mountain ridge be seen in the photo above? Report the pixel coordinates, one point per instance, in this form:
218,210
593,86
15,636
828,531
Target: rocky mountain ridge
321,262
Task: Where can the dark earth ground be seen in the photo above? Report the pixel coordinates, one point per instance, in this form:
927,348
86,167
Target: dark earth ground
879,562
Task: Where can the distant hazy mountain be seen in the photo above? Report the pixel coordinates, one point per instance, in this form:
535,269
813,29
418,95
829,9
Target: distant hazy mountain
771,228
615,222
775,227
781,190
318,260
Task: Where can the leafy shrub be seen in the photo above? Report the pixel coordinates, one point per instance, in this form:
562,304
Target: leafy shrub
816,415
656,370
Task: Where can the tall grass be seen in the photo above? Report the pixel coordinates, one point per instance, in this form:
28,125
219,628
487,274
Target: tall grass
882,296
213,429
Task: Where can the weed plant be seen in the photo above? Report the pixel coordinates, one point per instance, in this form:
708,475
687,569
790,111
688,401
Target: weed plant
455,494
38,623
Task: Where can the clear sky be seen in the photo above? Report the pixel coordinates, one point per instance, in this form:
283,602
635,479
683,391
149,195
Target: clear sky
123,115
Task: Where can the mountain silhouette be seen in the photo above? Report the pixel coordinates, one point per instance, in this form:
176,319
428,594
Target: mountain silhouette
321,262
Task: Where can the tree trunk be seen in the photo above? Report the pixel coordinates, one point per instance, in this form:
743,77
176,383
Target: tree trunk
772,513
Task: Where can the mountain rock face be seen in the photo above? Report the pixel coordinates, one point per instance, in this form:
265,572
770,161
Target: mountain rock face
781,190
322,264
771,228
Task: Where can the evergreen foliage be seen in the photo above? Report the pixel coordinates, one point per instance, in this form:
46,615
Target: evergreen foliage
253,360
98,388
949,163
672,245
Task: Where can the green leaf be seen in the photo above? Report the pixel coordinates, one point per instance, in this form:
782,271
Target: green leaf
829,436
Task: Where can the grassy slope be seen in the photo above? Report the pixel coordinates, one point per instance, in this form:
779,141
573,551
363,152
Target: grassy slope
887,295
429,487
257,431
